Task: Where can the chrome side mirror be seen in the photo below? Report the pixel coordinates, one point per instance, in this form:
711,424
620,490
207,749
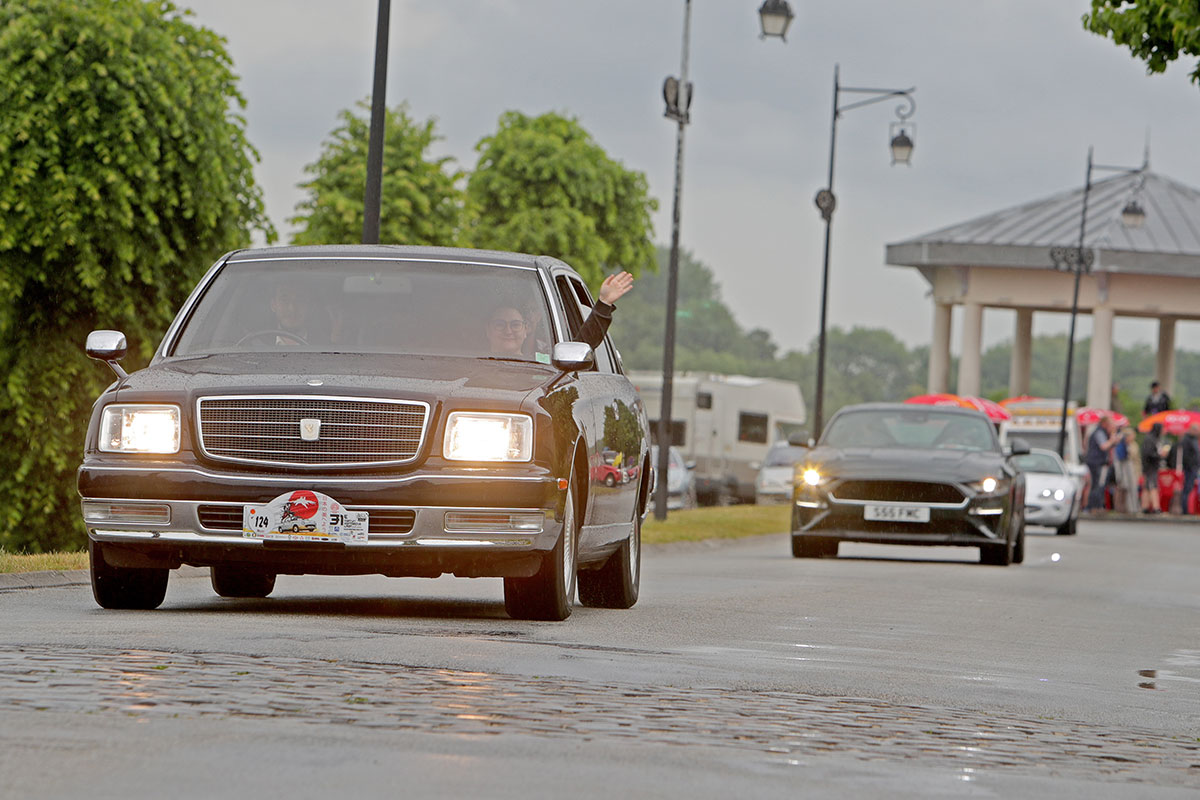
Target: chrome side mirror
109,347
1018,447
572,356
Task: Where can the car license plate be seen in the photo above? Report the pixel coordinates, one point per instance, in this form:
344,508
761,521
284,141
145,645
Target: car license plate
896,513
303,516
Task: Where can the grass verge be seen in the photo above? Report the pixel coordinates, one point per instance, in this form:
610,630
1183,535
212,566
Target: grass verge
680,526
37,562
730,522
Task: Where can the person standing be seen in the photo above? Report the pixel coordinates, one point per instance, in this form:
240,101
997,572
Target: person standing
1133,471
1189,462
1156,401
1151,463
1101,441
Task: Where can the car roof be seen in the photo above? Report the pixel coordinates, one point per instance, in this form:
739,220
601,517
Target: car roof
968,412
385,251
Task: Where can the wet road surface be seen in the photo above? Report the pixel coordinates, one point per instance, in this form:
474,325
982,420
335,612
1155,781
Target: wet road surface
886,672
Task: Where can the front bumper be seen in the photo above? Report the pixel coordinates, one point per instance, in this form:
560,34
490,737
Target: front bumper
1048,512
408,533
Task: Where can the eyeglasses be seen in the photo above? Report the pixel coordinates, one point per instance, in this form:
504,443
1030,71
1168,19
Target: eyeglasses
514,325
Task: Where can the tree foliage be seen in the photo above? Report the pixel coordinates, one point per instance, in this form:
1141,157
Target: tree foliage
1155,31
124,170
420,202
543,185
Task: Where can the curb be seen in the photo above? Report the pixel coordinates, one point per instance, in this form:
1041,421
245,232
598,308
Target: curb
1153,519
75,577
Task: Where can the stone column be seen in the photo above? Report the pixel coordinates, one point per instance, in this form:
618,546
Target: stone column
1099,393
1022,354
972,346
1165,366
939,349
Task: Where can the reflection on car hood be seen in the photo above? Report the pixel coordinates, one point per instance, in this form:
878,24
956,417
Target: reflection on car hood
891,463
354,374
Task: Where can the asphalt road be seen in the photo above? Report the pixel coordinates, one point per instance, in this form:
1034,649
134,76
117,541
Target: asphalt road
887,672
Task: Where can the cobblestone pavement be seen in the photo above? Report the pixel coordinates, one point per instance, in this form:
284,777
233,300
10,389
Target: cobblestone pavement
790,726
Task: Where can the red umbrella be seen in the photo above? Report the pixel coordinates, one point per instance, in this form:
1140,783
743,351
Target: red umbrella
1023,398
1090,416
994,411
1174,422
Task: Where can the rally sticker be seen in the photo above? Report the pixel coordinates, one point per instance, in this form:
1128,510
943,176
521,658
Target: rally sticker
304,516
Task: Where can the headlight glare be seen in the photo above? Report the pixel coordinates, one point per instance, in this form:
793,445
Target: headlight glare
1059,494
988,485
479,436
140,428
812,477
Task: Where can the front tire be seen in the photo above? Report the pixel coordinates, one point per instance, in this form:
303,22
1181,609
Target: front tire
548,594
1018,556
615,585
124,587
1068,527
996,555
235,581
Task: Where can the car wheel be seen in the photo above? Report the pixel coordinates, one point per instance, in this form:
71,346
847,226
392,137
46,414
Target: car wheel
1018,555
814,547
235,581
124,587
609,480
1068,527
615,585
548,593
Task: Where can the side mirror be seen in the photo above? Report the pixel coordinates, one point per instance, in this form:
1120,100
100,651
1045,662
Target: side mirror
572,356
1018,447
690,464
109,347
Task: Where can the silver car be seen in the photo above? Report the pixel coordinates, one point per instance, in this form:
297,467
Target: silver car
1052,494
776,477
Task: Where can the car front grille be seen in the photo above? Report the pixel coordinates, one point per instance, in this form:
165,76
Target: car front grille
382,521
353,431
897,492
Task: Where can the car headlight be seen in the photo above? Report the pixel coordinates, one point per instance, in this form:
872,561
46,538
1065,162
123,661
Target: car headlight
811,477
140,428
1048,493
478,436
1059,494
988,486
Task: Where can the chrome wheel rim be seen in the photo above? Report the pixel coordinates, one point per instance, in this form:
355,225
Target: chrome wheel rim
568,548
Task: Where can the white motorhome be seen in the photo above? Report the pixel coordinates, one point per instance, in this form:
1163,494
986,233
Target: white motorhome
724,424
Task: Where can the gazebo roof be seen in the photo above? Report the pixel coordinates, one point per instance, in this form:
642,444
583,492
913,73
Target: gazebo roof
1167,243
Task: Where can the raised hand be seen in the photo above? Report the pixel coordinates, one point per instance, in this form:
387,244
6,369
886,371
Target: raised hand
615,287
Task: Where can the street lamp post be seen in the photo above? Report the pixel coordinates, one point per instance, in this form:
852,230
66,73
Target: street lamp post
902,147
677,92
1079,259
373,195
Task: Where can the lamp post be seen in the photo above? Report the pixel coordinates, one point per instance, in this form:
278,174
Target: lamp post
677,92
1078,260
373,194
901,146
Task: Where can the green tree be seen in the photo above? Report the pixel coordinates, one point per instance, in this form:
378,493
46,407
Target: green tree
543,185
1155,31
420,200
126,171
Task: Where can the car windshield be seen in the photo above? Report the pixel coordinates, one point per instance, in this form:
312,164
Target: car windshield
905,428
1038,462
784,455
370,306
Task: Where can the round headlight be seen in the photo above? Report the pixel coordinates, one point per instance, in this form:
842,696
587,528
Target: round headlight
1059,494
1047,493
988,485
812,477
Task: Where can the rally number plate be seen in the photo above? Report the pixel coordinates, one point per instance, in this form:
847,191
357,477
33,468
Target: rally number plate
304,516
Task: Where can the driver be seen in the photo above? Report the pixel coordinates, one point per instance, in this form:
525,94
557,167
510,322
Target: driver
291,306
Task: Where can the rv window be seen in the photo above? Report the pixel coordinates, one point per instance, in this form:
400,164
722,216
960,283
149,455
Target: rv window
752,428
678,432
703,399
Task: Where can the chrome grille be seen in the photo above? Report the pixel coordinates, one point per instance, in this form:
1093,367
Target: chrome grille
354,431
897,492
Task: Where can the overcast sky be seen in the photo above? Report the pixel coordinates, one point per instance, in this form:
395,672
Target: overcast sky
1010,94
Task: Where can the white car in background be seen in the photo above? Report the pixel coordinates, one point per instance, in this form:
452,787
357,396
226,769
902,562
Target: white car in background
1052,495
681,486
776,476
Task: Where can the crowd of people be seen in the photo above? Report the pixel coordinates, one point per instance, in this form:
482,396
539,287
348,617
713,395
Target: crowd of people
1127,471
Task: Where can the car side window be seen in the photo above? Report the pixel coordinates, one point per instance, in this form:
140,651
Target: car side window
570,306
604,361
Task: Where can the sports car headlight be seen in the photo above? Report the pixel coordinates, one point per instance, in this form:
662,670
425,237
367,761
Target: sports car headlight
478,436
811,477
989,486
140,428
